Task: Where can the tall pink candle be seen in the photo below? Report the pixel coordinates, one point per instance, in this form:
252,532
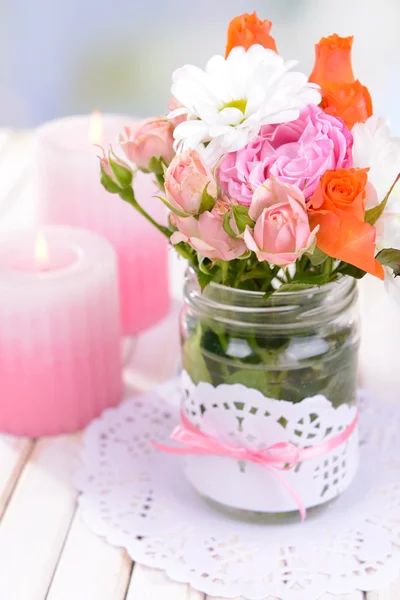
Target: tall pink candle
59,331
69,192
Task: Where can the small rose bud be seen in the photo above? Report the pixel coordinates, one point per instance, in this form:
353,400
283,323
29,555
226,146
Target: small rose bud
116,175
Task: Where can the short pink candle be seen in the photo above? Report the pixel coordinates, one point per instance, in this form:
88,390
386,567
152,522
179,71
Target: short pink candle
59,331
69,193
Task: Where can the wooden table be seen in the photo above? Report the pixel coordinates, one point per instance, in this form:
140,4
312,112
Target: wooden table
46,550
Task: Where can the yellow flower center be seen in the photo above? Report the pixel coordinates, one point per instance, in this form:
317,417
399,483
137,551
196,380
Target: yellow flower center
240,104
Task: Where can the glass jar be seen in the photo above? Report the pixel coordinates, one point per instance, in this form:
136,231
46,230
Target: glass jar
244,352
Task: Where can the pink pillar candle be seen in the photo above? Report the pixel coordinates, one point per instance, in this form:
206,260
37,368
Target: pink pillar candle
59,331
69,192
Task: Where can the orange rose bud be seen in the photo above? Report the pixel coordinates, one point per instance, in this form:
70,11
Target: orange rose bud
338,207
350,101
247,30
333,60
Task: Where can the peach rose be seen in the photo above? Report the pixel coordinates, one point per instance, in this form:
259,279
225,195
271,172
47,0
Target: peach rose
333,60
207,236
349,101
247,30
154,138
282,230
338,208
186,181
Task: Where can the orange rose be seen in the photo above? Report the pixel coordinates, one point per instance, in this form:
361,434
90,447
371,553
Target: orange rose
338,207
246,30
333,60
350,101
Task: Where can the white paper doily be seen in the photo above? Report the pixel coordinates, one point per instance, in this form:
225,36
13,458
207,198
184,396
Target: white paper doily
138,498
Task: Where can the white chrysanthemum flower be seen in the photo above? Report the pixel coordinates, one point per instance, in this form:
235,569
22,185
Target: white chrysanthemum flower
374,147
228,102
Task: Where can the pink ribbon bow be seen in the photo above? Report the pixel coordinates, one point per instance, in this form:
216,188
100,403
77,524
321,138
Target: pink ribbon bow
282,456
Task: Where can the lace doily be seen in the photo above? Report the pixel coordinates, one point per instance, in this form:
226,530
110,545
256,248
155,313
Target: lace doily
138,498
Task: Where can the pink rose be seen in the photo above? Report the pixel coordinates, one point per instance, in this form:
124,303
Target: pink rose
282,231
298,153
185,181
153,138
208,237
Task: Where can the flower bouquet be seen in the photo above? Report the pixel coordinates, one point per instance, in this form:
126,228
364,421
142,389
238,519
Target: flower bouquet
279,189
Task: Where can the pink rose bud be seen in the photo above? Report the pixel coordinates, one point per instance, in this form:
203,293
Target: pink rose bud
208,237
152,140
190,186
282,231
116,175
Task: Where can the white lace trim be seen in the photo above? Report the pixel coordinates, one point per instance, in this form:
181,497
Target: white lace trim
245,417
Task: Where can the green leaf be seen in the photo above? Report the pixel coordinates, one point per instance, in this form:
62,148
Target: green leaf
226,223
296,286
390,257
203,267
317,257
204,279
176,212
156,165
373,214
251,378
193,360
122,173
351,270
257,273
242,219
109,184
160,180
313,278
207,201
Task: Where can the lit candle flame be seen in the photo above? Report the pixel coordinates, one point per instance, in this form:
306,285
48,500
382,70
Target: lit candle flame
96,128
41,253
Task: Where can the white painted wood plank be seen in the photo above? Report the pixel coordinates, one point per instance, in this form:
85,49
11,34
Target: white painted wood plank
89,568
152,584
391,593
354,596
13,455
241,598
37,519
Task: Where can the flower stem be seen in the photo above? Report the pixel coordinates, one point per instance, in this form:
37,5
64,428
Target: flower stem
128,195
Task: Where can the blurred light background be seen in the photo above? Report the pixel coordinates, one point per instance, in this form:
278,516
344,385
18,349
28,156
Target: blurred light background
60,57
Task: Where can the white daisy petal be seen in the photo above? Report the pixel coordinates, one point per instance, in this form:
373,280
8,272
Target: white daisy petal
234,97
255,99
230,116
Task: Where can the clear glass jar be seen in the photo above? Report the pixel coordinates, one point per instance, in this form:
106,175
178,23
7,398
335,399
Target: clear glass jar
291,346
